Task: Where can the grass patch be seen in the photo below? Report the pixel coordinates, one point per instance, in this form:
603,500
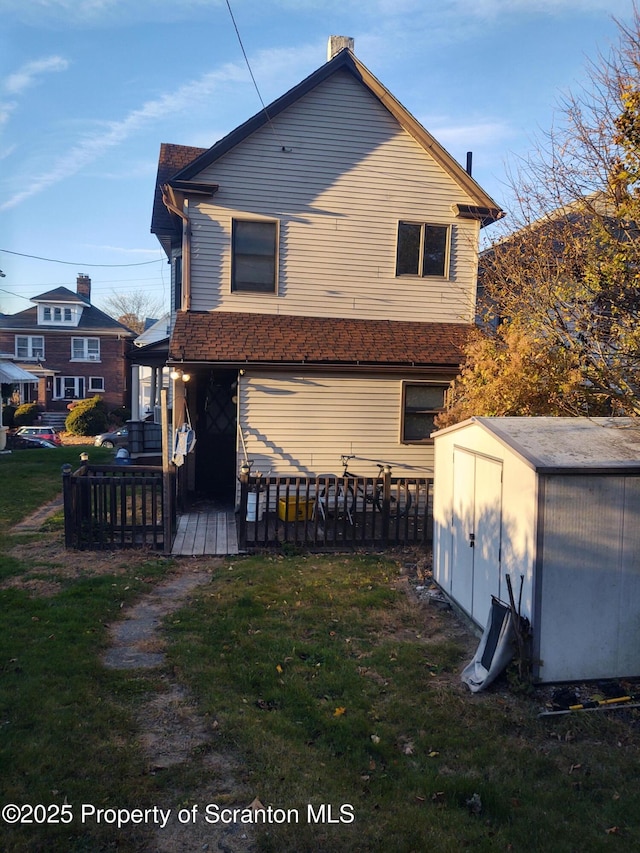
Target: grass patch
67,732
323,677
31,478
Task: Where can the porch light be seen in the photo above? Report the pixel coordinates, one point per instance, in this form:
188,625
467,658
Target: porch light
179,374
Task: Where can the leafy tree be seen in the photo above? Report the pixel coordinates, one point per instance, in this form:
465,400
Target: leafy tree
567,277
132,309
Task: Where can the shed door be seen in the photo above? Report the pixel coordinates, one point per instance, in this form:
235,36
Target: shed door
476,530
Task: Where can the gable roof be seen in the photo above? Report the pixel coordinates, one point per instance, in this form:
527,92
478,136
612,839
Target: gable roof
485,208
92,318
275,339
569,444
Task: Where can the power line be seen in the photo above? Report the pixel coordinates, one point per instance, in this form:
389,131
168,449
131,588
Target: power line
77,263
246,59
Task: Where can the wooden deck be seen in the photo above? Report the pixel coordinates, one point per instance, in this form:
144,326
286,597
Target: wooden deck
206,532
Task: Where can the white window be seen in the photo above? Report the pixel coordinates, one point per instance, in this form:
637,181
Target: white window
85,349
29,346
423,250
56,314
68,387
96,383
421,402
254,256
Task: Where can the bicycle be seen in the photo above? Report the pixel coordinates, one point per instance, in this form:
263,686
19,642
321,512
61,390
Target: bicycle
336,494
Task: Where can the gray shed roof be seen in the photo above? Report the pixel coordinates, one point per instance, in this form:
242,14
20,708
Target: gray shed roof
569,445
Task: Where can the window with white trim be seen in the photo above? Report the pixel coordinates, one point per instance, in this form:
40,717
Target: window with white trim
56,314
29,346
96,383
254,251
85,349
423,250
421,402
68,387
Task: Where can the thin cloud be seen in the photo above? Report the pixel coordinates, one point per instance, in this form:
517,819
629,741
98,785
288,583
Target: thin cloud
108,135
28,75
479,133
106,248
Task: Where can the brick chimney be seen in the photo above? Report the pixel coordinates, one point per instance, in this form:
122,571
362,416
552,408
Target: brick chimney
337,43
83,286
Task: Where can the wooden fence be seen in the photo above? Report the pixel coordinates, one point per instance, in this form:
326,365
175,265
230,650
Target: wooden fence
330,512
118,506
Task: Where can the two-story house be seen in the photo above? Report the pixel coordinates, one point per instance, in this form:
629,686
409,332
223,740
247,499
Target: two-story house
324,264
71,349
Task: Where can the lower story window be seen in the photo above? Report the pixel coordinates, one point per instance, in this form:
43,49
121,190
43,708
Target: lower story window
421,402
69,387
96,383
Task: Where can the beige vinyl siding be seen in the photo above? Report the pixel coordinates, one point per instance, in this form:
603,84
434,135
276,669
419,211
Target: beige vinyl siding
348,175
300,424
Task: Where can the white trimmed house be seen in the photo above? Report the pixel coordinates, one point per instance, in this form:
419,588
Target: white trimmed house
324,263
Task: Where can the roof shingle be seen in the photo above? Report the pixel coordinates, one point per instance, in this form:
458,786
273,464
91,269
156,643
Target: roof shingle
240,338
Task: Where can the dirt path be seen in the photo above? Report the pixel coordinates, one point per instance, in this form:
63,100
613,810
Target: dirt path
172,731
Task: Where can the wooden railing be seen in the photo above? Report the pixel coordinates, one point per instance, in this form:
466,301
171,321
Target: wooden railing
118,506
328,512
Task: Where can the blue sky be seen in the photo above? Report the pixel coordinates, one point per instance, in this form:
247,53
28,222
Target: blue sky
90,88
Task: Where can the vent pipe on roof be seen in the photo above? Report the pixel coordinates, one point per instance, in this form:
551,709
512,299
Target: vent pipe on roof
469,162
338,43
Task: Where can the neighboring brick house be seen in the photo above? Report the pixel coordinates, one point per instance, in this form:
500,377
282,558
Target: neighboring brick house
71,348
324,264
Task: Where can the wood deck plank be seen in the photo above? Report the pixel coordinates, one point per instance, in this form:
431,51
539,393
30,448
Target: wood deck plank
206,533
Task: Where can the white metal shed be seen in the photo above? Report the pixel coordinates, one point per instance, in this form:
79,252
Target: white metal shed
555,501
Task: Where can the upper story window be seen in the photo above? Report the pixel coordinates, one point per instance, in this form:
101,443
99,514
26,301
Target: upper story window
56,314
29,346
421,402
85,349
254,256
423,249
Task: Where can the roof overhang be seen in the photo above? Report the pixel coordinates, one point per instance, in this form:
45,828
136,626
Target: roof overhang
11,373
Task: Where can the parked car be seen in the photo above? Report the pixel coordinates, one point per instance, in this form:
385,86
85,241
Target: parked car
117,438
28,442
46,432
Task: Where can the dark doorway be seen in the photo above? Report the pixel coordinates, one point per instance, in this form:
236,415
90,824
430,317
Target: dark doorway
216,434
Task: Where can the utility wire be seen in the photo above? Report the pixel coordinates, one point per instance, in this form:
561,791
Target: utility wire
77,264
246,59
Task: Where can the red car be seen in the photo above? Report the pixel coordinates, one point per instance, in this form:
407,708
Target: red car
48,433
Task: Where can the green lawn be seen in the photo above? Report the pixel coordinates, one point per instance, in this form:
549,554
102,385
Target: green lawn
30,478
335,691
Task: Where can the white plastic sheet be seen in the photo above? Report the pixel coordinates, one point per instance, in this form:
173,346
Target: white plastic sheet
495,650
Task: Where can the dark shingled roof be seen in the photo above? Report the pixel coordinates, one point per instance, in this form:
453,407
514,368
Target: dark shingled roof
61,294
92,319
238,338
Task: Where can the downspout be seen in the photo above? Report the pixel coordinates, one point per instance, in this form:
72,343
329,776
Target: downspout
170,201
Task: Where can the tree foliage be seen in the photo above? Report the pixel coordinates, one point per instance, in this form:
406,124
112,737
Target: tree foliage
564,281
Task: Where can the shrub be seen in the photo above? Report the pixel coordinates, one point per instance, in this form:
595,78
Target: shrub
87,417
26,414
118,417
8,416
